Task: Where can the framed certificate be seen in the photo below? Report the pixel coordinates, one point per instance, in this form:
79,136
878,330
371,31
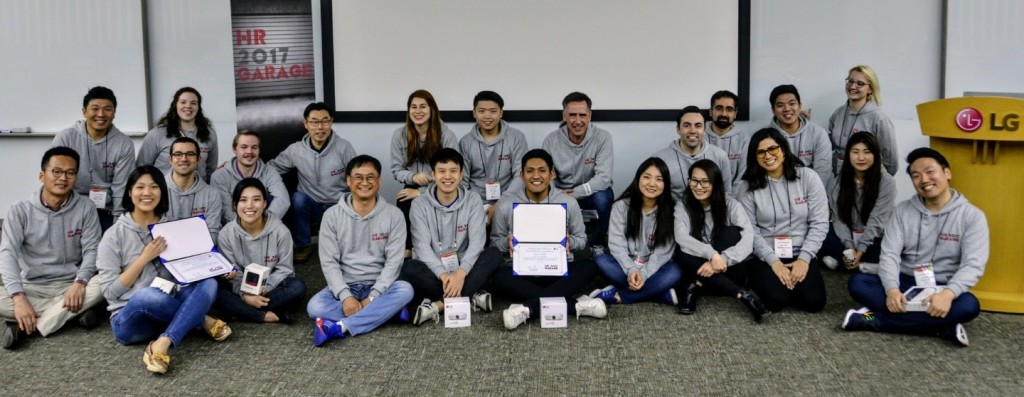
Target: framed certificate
190,255
539,240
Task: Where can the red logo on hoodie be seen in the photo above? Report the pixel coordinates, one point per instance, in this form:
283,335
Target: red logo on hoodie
379,236
74,233
271,259
955,238
589,161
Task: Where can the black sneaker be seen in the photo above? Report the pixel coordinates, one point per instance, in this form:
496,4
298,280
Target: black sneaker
10,335
957,334
857,320
91,317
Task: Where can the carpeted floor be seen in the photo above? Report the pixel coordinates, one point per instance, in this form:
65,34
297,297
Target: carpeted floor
641,349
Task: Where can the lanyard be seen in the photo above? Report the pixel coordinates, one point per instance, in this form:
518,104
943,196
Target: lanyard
437,224
938,236
501,150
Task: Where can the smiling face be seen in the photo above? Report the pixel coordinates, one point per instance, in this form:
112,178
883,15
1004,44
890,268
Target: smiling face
447,177
488,116
537,176
787,110
59,176
691,131
247,151
251,205
419,112
364,181
99,115
930,179
184,158
861,157
770,157
723,113
651,183
318,125
145,194
700,185
857,87
187,106
576,116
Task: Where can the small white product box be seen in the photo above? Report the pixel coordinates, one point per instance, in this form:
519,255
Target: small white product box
255,278
457,312
916,296
553,313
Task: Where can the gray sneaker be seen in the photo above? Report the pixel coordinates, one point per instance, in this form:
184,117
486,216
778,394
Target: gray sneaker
426,311
515,316
482,301
10,335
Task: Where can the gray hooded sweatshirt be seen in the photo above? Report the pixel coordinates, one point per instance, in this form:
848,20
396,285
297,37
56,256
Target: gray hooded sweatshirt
438,229
734,143
361,250
321,174
844,122
272,248
954,240
41,246
501,226
876,222
627,251
736,216
198,199
499,160
121,246
679,165
399,154
810,143
156,151
227,177
106,163
797,209
585,168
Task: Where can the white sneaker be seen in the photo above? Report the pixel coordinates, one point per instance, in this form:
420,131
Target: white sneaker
591,308
830,262
482,301
869,268
425,311
515,316
956,334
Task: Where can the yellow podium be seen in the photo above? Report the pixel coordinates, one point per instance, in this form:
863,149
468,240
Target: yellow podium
983,140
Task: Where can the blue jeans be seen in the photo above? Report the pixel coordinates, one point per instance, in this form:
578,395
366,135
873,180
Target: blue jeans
151,310
305,212
659,282
378,312
282,298
868,290
601,201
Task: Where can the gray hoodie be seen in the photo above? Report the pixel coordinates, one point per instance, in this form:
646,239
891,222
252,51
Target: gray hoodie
797,209
585,168
361,250
499,160
106,163
272,248
736,216
627,251
41,246
734,144
321,174
399,152
954,240
227,177
875,225
437,230
198,199
121,246
679,165
810,143
156,151
844,122
501,226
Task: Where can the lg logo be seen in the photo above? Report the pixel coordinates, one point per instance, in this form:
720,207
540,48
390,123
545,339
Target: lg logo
969,120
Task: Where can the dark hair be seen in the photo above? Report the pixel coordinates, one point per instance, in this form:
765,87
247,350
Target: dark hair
434,139
664,228
447,155
783,89
185,139
846,202
695,209
158,177
172,121
236,195
685,111
317,106
489,96
99,92
756,176
725,94
926,152
59,151
577,96
245,132
360,160
538,154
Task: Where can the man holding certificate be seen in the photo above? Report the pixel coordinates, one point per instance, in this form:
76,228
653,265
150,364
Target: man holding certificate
527,282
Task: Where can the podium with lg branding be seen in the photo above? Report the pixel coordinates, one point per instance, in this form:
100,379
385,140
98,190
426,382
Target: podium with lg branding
983,140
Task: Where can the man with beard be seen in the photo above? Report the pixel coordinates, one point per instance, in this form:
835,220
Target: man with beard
247,163
688,149
723,133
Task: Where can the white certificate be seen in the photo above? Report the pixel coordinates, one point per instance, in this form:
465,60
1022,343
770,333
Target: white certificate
190,253
198,267
539,240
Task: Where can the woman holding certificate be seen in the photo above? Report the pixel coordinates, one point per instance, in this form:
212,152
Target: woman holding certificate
257,238
787,205
144,300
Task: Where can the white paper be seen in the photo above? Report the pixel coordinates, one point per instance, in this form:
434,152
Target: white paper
539,259
538,223
198,267
185,237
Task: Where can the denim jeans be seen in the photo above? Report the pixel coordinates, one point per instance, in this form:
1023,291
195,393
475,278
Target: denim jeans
601,201
152,312
868,290
378,312
305,212
666,277
283,298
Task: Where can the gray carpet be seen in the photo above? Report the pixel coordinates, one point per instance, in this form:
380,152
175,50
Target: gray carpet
640,349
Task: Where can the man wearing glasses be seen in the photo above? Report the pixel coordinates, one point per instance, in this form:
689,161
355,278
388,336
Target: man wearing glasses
189,195
320,159
48,255
690,147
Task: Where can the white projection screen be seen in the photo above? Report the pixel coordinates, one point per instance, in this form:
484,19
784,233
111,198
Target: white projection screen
627,55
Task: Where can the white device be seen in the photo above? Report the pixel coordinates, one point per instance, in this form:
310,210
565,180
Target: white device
255,278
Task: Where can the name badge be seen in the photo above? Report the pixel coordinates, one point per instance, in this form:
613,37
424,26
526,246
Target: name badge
640,261
450,260
164,285
98,196
493,190
784,247
924,275
857,236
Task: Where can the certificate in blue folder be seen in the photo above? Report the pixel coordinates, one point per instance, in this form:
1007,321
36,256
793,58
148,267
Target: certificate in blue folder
190,255
539,239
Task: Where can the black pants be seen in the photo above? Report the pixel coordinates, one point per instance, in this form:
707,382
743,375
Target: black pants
427,285
529,289
729,283
405,206
808,295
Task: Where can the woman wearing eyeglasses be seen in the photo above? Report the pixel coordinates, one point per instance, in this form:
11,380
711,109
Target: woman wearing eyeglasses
787,205
861,112
184,119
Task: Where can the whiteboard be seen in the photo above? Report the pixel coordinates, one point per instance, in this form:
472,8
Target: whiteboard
54,51
983,47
